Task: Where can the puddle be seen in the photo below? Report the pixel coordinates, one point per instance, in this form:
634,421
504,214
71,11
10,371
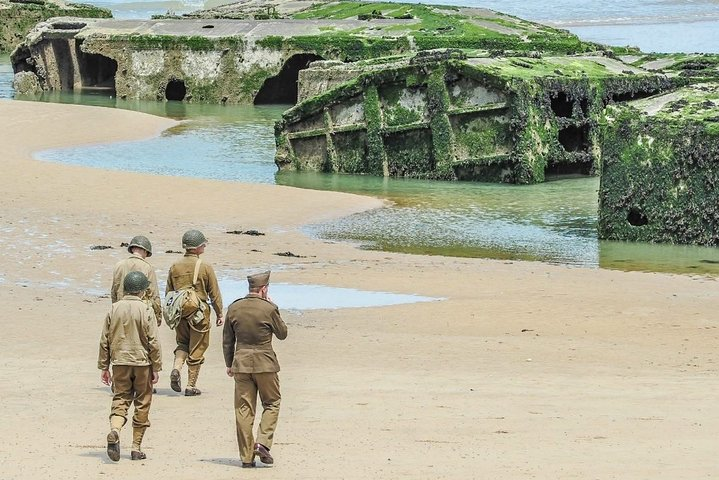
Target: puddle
311,297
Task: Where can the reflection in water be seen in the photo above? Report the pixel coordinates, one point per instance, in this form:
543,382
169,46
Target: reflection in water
552,222
312,297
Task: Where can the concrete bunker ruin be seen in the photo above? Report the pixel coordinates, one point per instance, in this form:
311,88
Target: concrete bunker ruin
62,63
660,168
282,88
444,116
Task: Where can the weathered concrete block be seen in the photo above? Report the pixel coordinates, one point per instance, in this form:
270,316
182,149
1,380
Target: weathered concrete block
444,116
26,83
660,169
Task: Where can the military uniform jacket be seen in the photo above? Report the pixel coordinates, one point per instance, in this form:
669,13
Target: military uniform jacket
129,336
180,276
247,336
135,263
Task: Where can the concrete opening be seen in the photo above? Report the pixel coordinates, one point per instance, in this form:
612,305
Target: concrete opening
580,167
282,88
65,65
175,90
97,72
22,60
636,217
561,105
584,105
625,97
575,138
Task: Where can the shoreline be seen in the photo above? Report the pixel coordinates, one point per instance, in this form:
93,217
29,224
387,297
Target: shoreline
524,369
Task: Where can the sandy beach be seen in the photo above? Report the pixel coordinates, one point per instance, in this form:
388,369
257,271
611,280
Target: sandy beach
518,369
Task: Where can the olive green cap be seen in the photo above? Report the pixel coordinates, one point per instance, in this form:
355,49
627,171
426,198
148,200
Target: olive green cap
193,239
135,282
259,279
140,241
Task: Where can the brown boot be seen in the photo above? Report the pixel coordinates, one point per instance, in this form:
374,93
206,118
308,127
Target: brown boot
137,455
193,371
180,357
264,454
175,380
113,445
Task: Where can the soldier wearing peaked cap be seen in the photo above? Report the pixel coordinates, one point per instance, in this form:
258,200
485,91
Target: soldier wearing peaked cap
140,249
247,346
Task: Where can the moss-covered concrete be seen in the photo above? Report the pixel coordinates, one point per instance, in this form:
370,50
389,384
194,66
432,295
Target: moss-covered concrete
18,18
221,60
442,115
660,168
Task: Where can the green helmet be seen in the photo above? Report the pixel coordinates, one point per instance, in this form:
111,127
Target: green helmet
193,239
135,282
141,241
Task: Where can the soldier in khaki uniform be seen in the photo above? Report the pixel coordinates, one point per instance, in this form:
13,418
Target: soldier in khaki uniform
193,340
129,342
250,359
141,249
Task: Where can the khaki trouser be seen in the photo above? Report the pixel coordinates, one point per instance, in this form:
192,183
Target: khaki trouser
193,339
247,386
132,384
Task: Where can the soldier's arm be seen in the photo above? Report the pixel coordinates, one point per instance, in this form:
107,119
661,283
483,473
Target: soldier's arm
228,343
115,288
103,356
154,344
213,290
154,290
278,325
169,286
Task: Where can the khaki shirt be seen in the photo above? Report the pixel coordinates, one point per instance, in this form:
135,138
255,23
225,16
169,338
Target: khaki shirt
180,276
247,336
129,336
136,263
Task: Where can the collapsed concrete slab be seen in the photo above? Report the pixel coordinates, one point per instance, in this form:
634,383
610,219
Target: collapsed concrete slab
443,115
660,168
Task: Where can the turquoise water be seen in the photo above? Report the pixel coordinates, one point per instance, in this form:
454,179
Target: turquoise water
214,141
553,222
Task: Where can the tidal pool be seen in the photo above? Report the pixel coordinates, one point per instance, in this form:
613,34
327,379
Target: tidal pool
312,297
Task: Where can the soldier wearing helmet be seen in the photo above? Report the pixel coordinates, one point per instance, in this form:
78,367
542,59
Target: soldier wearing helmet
129,343
140,249
193,338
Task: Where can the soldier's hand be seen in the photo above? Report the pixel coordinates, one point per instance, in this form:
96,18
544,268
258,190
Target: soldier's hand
220,320
155,377
229,372
106,377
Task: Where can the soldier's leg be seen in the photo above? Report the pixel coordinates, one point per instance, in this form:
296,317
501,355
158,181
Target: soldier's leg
268,386
142,384
121,400
245,402
182,337
199,341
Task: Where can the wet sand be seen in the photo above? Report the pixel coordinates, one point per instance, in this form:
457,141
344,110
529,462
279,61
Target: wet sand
525,370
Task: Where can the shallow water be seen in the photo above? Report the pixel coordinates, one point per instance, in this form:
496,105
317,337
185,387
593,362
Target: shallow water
214,141
6,90
312,297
